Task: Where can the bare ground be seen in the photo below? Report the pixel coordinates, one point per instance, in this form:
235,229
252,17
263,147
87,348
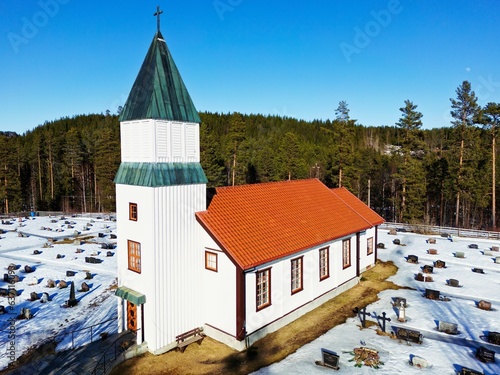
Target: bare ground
212,357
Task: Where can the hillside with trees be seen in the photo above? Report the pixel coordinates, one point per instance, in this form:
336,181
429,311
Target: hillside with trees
441,176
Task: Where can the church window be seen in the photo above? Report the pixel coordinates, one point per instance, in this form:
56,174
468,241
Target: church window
211,261
263,289
134,256
132,211
346,253
369,246
324,270
296,273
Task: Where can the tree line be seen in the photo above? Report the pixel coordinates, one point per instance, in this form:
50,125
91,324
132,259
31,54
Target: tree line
442,176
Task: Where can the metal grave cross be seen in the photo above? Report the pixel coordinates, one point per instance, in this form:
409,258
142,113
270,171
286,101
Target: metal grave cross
384,319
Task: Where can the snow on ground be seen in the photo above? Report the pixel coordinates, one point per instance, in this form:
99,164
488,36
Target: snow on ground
446,354
17,245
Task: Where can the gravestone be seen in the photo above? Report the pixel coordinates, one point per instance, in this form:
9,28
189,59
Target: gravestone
477,270
88,276
423,277
72,300
396,241
401,313
484,305
34,281
70,273
469,371
11,267
392,231
488,253
104,246
459,254
36,252
12,279
330,359
28,269
431,240
45,297
2,310
101,235
453,282
79,251
112,236
427,269
109,254
25,314
409,335
495,248
473,246
51,283
85,287
432,294
497,260
380,245
398,300
12,293
59,256
494,338
62,284
6,277
412,259
432,251
485,355
34,296
419,362
449,328
439,264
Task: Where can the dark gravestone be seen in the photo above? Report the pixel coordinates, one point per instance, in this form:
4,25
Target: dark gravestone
112,236
409,335
11,267
51,283
59,256
469,371
6,277
453,282
380,245
104,246
85,287
79,251
28,269
62,284
330,359
477,270
72,300
36,252
412,259
494,338
2,309
449,328
12,293
484,305
432,294
423,277
495,248
101,235
109,254
397,302
485,355
88,276
25,314
439,264
33,296
427,269
473,246
13,279
70,273
396,241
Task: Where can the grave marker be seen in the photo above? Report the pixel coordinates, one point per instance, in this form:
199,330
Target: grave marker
439,264
485,355
432,294
494,338
449,328
396,241
484,305
432,251
477,270
412,259
427,269
495,248
431,240
488,253
459,254
453,282
330,359
469,371
398,300
384,319
497,260
473,246
362,315
409,335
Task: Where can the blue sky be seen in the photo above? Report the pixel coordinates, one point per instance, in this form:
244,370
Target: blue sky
288,58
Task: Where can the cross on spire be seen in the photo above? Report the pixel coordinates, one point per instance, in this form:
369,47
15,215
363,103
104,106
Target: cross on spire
157,14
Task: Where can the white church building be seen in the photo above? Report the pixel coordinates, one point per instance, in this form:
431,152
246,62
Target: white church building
258,257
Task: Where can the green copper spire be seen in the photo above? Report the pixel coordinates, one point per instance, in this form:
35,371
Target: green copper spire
158,91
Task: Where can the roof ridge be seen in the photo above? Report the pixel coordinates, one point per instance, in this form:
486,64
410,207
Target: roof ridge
348,205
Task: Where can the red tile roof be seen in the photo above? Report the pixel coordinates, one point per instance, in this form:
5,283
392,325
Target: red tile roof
258,223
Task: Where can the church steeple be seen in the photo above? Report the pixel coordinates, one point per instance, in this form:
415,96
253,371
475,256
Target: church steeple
159,91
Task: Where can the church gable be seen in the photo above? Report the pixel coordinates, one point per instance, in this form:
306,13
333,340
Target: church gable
259,223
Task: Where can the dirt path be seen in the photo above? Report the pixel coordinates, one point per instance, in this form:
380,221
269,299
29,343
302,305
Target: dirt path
212,357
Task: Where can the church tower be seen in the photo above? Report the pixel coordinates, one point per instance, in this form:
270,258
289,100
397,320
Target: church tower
159,186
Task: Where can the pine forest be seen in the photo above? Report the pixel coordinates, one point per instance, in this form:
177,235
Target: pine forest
407,173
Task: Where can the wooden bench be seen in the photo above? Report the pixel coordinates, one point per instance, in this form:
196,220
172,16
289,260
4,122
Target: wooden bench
186,338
